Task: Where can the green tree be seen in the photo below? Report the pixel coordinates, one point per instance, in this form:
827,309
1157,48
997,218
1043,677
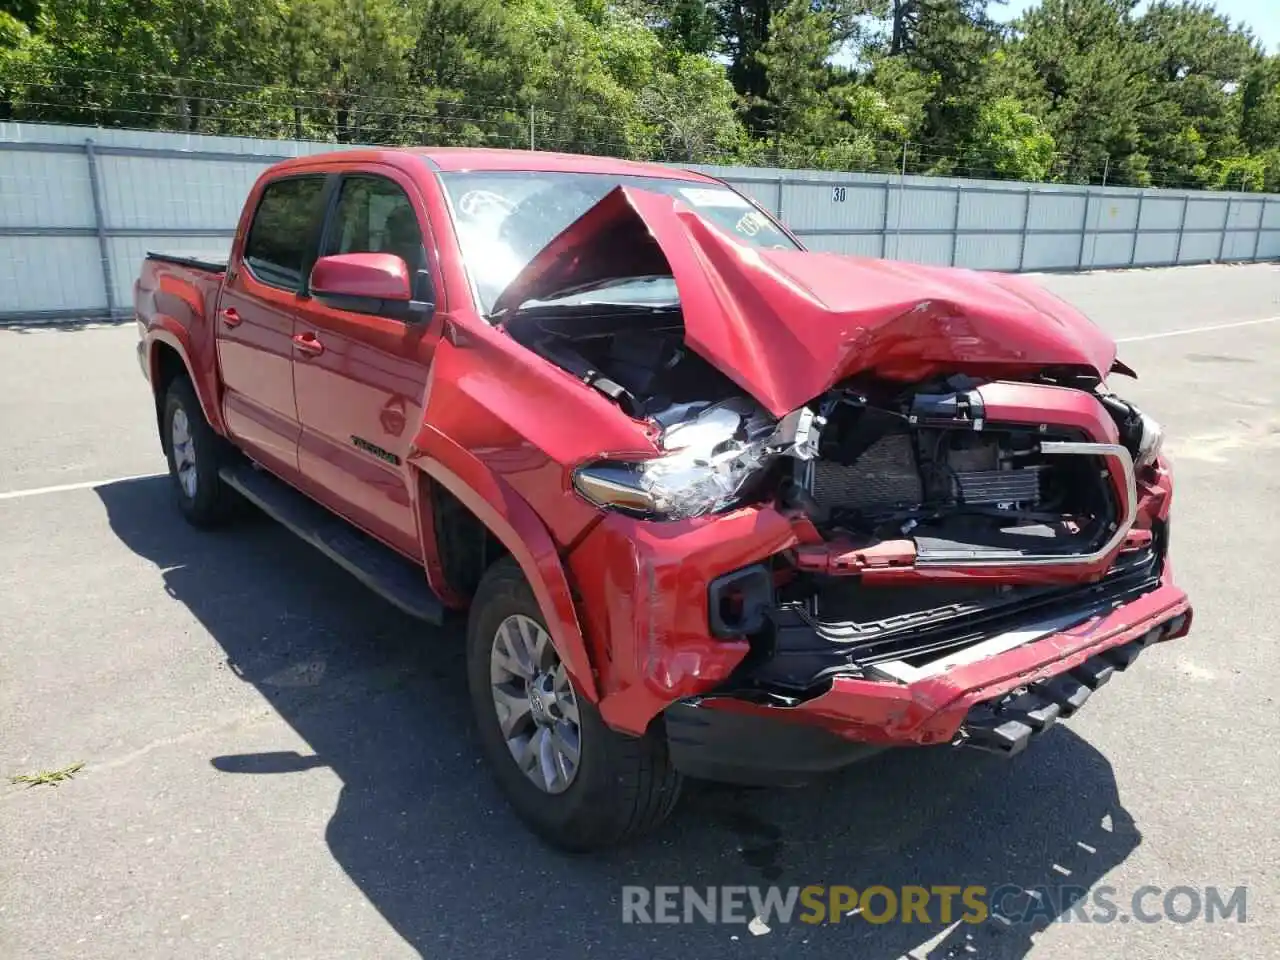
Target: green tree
1260,119
1075,90
682,26
745,27
14,39
818,116
693,110
943,48
1090,80
580,77
346,65
1007,142
1191,115
1260,105
794,64
99,62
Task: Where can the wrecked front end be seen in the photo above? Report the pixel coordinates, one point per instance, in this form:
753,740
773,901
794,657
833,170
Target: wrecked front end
961,557
896,573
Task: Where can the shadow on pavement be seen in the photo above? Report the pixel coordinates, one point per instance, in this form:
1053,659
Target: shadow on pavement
422,831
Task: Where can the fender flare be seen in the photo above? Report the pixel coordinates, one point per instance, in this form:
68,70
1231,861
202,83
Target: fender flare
169,332
517,526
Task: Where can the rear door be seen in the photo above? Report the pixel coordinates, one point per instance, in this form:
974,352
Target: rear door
256,323
360,391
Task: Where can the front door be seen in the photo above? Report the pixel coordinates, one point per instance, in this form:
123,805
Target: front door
359,389
255,321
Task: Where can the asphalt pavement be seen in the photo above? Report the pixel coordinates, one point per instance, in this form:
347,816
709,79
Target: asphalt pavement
278,764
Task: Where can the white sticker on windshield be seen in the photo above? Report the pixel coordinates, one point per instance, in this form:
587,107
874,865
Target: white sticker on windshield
701,197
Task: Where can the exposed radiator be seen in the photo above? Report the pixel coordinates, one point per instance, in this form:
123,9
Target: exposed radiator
984,487
884,476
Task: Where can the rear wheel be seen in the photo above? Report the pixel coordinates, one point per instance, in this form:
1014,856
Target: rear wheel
575,782
195,455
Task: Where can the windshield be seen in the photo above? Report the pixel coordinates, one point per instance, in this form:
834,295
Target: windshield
504,218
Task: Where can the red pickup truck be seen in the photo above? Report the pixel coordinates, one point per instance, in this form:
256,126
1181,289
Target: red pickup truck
714,505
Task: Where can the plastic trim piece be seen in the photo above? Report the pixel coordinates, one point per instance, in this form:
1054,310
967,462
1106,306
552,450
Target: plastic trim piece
1007,725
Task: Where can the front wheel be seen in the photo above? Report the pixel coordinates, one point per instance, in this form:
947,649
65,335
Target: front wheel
575,782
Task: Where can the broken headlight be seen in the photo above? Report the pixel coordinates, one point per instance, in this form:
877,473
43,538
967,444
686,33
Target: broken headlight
1140,433
1150,441
711,452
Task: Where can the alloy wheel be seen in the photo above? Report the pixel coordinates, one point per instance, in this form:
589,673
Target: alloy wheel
535,703
184,452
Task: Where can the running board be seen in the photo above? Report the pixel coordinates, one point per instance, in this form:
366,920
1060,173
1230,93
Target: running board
393,577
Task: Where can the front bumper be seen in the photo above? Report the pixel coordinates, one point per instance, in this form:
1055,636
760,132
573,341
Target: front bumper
643,596
932,708
660,648
1007,724
737,742
997,703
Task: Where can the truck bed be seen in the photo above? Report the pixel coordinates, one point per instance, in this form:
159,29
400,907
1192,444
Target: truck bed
182,288
209,260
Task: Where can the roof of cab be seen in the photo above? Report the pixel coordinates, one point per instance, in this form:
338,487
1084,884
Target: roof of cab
456,159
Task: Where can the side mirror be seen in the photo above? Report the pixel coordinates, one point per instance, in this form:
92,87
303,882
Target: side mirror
373,283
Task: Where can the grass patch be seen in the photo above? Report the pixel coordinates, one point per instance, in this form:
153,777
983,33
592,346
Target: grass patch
48,778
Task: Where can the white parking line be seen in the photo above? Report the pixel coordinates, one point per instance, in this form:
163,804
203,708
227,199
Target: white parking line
65,487
1208,329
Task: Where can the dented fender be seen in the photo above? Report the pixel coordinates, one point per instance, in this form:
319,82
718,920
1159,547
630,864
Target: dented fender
509,518
502,432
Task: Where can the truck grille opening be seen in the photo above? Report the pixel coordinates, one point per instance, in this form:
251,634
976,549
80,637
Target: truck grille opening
958,487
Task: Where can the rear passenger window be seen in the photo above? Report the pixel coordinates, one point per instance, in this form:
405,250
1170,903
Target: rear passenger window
282,234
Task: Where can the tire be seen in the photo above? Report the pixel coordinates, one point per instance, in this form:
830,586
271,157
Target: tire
620,788
195,456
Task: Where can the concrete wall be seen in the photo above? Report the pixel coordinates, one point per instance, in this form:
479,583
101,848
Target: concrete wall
80,207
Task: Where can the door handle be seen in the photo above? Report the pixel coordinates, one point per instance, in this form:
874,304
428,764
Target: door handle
307,343
230,317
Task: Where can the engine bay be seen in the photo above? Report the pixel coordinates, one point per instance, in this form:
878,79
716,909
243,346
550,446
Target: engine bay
915,470
635,355
925,463
866,462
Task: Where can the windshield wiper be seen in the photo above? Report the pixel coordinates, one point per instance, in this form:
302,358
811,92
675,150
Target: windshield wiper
608,282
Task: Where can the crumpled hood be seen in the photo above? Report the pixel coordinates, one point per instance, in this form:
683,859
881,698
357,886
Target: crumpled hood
786,325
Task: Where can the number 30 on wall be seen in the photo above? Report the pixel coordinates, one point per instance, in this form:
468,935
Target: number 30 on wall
837,194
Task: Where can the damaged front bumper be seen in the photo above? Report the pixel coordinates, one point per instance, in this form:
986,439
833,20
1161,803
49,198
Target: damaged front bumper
765,693
997,700
998,705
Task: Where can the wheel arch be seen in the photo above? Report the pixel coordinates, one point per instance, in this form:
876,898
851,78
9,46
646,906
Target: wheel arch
168,357
511,522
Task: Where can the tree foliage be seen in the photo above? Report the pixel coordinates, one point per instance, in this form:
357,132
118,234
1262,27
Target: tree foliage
1167,93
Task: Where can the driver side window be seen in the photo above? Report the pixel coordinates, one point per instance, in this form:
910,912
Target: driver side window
375,216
